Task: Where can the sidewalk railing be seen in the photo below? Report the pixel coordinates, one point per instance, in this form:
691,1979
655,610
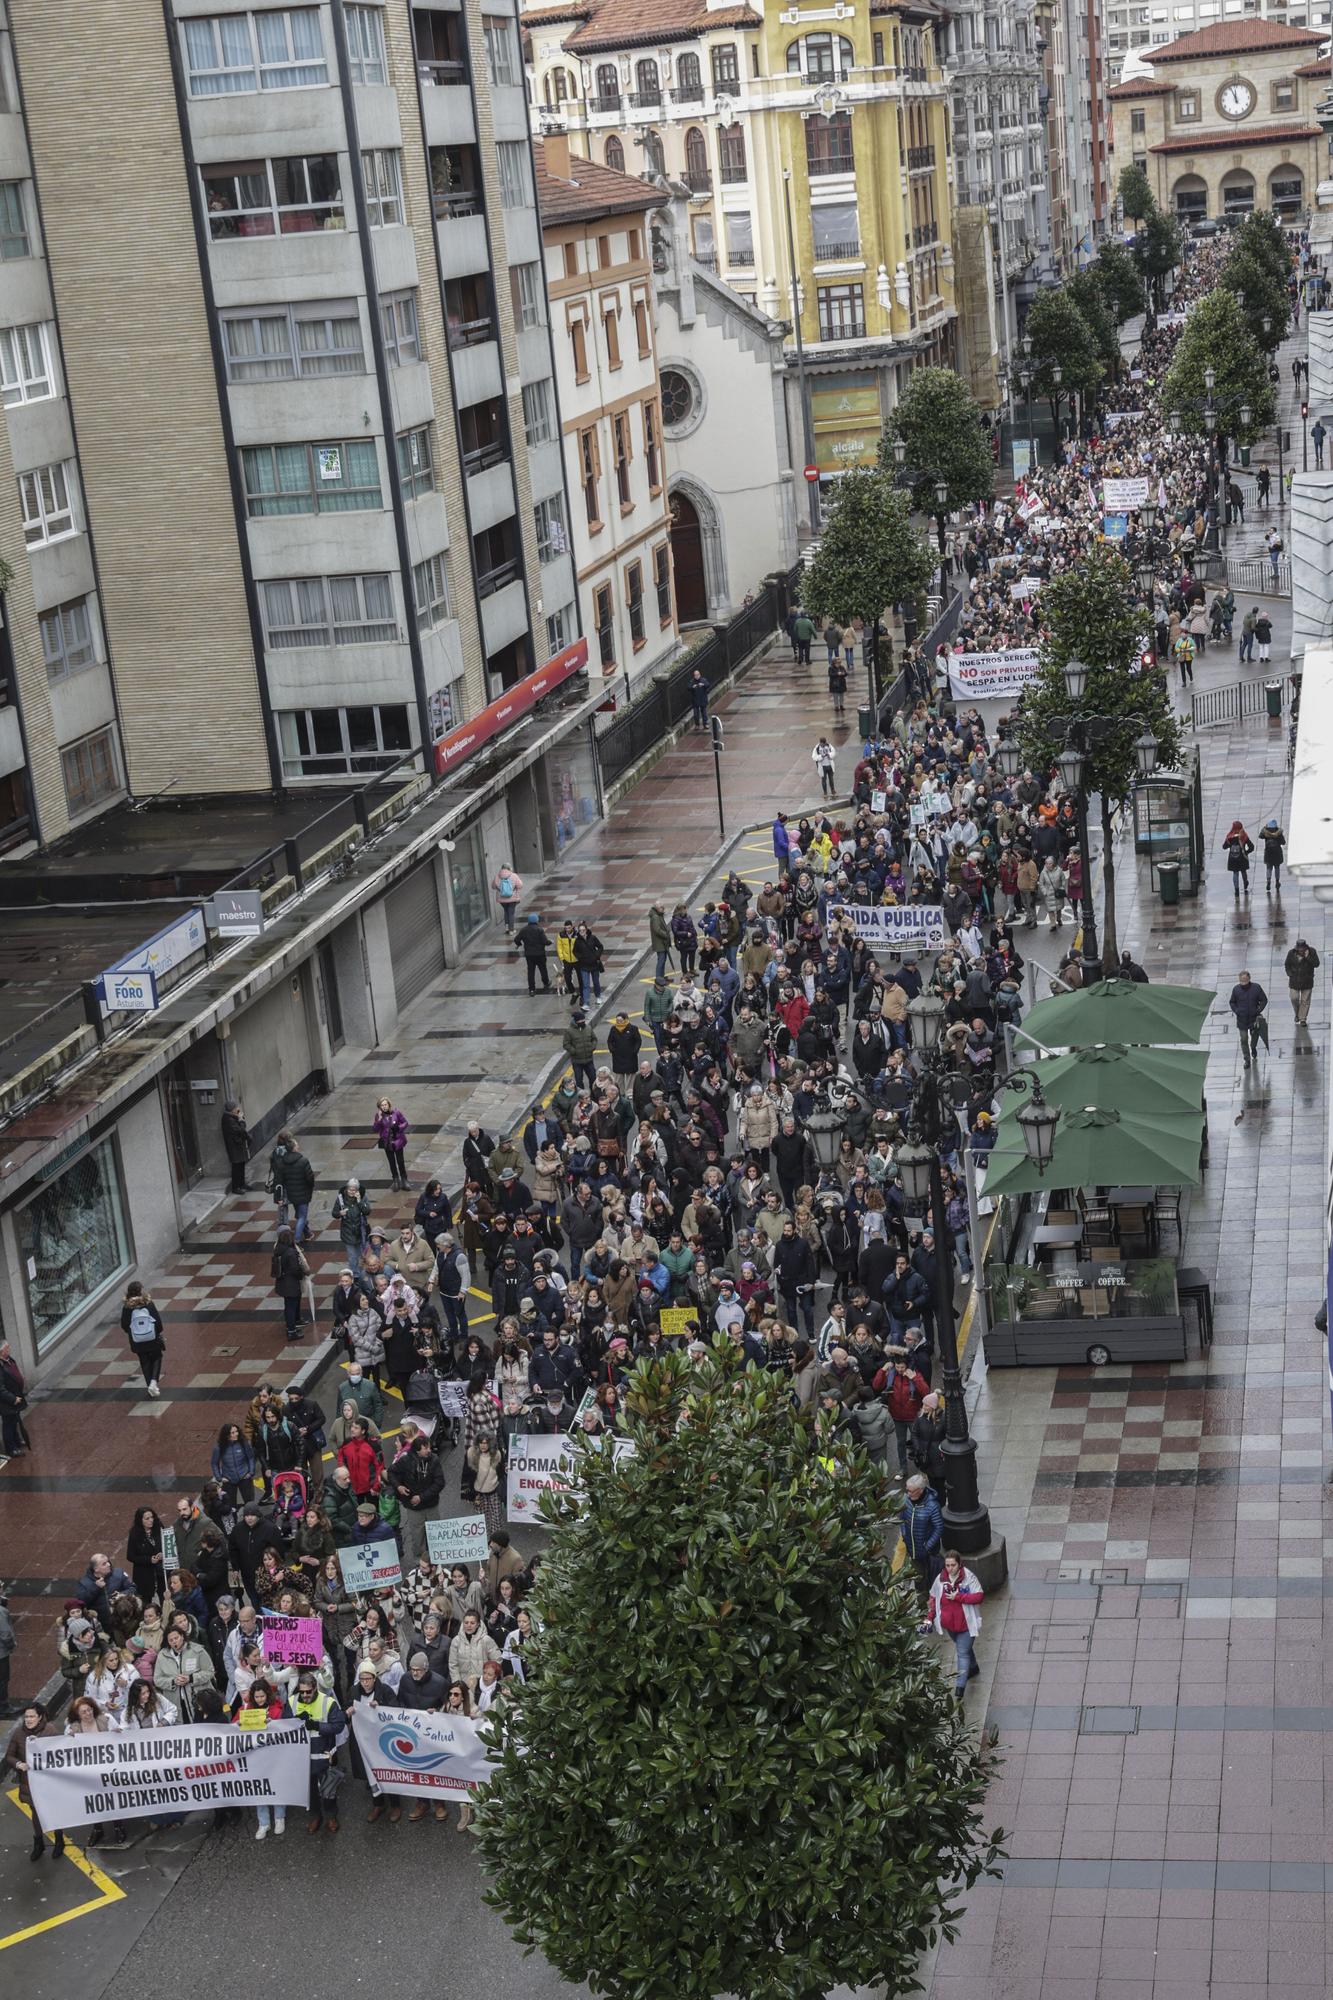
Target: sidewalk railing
1234,703
1256,576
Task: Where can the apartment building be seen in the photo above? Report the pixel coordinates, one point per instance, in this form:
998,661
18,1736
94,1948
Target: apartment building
599,278
814,146
1073,98
283,528
1134,25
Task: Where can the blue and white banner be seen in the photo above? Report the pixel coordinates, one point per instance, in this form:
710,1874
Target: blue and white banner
895,927
411,1750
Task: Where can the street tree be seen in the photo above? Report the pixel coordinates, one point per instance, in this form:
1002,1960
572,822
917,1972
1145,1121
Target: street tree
734,1767
1093,614
869,556
945,438
1262,292
1261,236
1118,277
1136,197
1157,249
1062,338
1088,296
1216,336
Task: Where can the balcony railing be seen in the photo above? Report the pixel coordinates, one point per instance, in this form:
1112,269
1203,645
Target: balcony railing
469,332
836,253
926,234
698,183
602,104
848,327
919,157
485,456
443,72
645,100
708,259
733,173
823,164
491,580
688,93
461,201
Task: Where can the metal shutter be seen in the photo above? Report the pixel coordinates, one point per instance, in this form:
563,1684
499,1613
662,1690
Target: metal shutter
416,942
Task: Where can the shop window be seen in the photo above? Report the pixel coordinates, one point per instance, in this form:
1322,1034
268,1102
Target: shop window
73,1242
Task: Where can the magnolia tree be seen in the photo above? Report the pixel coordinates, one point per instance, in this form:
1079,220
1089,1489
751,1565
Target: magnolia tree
734,1767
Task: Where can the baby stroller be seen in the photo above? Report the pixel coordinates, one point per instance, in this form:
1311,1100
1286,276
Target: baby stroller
288,1493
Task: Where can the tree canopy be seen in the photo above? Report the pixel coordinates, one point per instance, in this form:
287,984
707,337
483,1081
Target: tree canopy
1261,237
1090,299
869,555
1136,197
945,437
1158,247
734,1767
1215,336
1061,337
1262,291
1118,278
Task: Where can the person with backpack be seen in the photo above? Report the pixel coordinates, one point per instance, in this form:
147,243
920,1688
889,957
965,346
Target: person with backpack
508,886
141,1320
351,1212
291,1179
1247,634
289,1272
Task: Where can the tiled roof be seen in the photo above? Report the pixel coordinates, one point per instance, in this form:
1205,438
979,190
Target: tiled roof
1318,70
1234,38
1141,86
1270,135
620,24
540,17
591,190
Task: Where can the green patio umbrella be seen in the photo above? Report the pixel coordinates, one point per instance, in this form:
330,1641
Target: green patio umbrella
1141,1082
1118,1010
1101,1149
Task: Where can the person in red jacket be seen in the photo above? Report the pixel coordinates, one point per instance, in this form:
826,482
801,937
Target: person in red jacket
362,1461
907,1390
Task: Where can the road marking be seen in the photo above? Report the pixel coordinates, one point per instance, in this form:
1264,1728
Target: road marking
108,1891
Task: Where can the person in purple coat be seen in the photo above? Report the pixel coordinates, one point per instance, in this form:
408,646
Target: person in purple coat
391,1130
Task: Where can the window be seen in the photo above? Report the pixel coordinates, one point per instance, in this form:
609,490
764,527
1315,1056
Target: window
91,771
529,295
552,533
1284,95
27,372
502,50
384,188
276,343
430,592
251,197
588,477
615,155
578,341
538,412
1138,121
365,45
740,236
620,442
47,499
446,707
826,57
319,740
279,49
841,312
604,253
605,609
1286,190
731,154
689,81
726,67
677,397
402,339
1187,106
611,327
696,160
14,241
648,88
634,599
416,466
515,163
559,630
607,87
828,144
328,611
643,330
310,478
837,231
651,455
570,254
662,582
68,645
72,1239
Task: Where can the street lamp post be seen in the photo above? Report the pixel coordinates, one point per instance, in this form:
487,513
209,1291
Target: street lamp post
1281,469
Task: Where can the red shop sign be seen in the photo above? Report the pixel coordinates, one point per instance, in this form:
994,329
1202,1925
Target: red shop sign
461,743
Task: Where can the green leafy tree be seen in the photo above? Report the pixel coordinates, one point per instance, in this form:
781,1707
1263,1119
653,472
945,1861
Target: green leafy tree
1092,614
734,1767
1158,249
1215,336
1261,237
1119,281
1262,292
1088,296
869,556
1136,197
945,438
1062,338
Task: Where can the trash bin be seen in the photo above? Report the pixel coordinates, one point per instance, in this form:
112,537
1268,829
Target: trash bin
1168,881
1245,454
865,722
1273,700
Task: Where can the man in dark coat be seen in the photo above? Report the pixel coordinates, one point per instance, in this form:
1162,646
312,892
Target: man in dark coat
236,1144
535,945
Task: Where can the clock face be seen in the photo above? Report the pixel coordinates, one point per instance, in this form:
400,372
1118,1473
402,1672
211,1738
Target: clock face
1236,99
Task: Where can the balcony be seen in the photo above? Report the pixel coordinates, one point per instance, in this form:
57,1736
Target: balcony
469,332
443,72
689,93
848,326
837,253
734,174
459,201
925,235
491,580
645,100
820,166
698,183
706,258
485,456
601,106
919,158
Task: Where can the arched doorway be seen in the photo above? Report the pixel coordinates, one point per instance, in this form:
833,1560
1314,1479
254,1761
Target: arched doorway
1237,192
1191,198
687,561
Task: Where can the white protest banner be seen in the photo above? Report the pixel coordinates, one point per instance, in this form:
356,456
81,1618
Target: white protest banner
878,802
1171,319
896,927
1110,418
147,1773
1027,586
982,676
537,1465
1120,495
462,1539
371,1565
453,1398
411,1750
170,1559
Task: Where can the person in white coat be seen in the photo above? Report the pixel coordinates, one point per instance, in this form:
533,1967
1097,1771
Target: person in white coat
952,1607
825,757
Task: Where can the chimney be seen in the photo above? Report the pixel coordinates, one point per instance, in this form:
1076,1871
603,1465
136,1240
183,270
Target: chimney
556,155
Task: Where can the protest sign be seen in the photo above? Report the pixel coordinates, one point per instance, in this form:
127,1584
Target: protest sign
453,1399
878,801
412,1750
1115,527
1027,586
1120,495
464,1538
676,1320
170,1559
371,1565
537,1465
986,676
297,1642
148,1773
896,927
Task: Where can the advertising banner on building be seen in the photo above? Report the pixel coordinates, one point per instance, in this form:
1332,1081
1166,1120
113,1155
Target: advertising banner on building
901,927
148,1773
511,707
411,1750
991,676
847,425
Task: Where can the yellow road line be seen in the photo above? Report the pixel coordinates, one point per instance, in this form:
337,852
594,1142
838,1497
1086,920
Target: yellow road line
108,1891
